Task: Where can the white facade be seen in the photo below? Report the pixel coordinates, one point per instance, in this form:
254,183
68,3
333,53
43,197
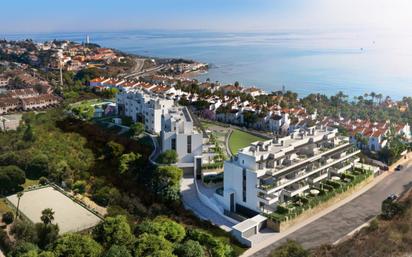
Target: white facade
179,134
144,107
268,173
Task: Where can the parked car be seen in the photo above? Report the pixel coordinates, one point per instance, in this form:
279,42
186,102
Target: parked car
392,197
399,167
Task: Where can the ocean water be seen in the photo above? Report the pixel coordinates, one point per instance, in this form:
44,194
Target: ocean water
354,62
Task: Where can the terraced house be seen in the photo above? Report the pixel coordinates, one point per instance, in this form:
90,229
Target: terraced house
266,174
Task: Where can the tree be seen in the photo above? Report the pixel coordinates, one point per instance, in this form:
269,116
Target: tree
190,248
106,194
117,251
29,134
250,118
137,129
166,182
165,227
168,157
290,249
151,245
79,186
11,178
23,231
23,248
113,150
8,217
127,161
114,231
76,245
47,216
38,167
47,234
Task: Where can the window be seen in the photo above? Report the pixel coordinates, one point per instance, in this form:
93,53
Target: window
189,144
244,185
174,144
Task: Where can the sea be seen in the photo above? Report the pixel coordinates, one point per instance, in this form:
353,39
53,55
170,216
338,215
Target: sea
326,62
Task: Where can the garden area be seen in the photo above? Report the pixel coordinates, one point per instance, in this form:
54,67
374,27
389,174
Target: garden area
239,139
318,194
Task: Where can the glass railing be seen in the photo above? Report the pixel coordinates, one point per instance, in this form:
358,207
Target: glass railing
310,168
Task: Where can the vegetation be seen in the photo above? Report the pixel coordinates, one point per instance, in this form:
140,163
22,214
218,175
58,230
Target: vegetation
327,190
168,157
290,249
240,139
382,237
137,129
114,171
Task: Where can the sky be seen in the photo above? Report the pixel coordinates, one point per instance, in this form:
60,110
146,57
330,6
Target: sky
22,16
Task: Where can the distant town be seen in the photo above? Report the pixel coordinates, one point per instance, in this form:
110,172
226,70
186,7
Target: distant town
251,162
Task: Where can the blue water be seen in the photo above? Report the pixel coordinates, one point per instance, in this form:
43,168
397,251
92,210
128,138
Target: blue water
304,62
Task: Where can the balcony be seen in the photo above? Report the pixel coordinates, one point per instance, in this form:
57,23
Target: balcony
268,199
302,159
292,191
310,169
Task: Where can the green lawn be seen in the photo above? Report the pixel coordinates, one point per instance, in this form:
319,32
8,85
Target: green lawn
30,182
240,139
4,206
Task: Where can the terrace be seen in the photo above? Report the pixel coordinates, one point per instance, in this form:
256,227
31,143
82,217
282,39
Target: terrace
313,195
331,160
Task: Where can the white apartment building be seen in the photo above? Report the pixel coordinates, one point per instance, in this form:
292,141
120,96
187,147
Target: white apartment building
143,107
4,81
268,173
179,134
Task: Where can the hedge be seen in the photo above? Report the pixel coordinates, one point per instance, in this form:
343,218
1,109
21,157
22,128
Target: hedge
284,213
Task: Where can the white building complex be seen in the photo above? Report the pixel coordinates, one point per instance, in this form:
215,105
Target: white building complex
144,107
179,134
269,173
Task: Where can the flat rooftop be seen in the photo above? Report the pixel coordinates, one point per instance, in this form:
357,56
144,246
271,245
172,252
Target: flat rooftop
69,215
280,145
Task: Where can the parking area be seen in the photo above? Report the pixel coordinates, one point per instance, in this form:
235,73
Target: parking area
69,215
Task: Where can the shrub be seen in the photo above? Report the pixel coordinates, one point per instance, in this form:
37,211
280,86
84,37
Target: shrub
391,209
211,166
79,186
190,248
373,225
168,157
213,178
8,217
43,181
290,249
333,184
282,210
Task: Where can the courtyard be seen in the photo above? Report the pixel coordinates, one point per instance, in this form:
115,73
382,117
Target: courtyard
69,215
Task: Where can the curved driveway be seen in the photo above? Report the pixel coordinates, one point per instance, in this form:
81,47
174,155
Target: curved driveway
191,201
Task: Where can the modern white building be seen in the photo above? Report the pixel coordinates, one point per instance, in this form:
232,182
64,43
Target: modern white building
179,134
266,174
143,107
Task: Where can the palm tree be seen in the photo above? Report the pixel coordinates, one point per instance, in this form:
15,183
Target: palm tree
47,216
379,97
373,95
19,195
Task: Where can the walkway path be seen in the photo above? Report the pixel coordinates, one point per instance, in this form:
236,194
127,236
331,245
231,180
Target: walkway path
191,201
156,148
337,221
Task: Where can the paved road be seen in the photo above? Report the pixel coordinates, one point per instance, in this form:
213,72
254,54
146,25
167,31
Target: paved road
192,202
343,220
